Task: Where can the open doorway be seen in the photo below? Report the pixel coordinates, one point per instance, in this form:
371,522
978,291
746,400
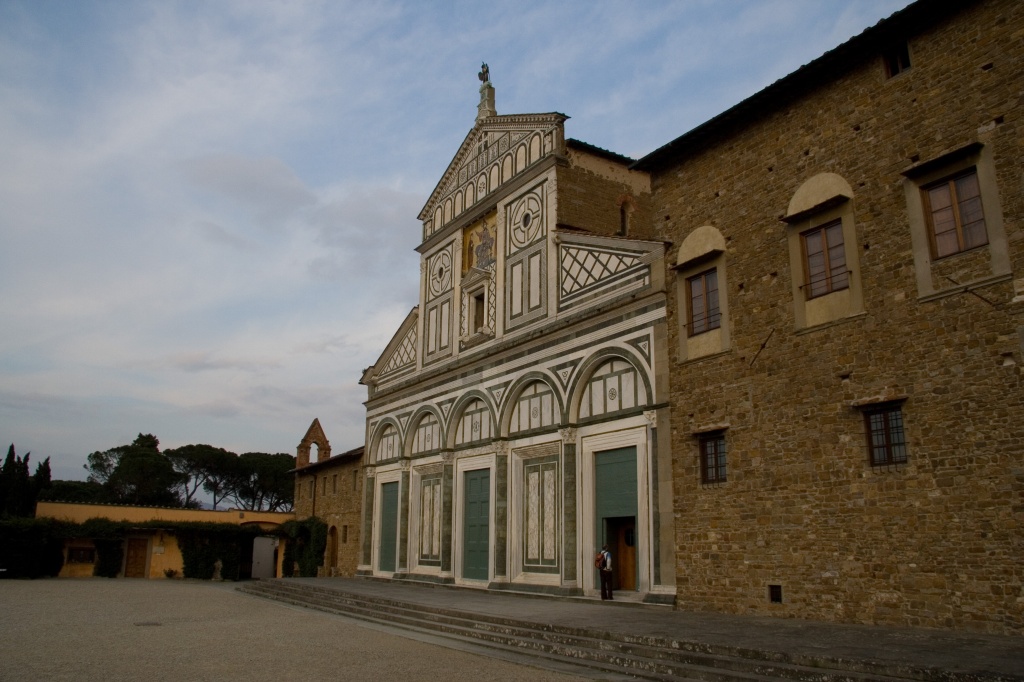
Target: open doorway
615,512
620,535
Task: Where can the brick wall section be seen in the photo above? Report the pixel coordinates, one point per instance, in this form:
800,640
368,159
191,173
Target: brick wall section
337,508
590,199
938,542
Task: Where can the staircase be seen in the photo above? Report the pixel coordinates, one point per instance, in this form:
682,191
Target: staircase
583,651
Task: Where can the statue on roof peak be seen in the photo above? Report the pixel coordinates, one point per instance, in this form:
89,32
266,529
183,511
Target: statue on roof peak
485,73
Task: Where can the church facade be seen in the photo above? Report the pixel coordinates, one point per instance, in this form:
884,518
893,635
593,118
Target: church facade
518,419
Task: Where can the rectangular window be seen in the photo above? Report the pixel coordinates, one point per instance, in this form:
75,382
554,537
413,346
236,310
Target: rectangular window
312,490
886,441
478,312
702,291
712,457
954,214
81,555
344,535
897,59
334,484
824,260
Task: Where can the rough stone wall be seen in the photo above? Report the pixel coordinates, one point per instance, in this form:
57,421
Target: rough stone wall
938,541
339,506
590,191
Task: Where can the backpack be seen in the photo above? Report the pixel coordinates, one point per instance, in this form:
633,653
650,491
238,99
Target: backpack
599,560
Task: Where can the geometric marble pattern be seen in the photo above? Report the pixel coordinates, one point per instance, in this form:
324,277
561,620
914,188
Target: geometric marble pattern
404,355
643,345
584,267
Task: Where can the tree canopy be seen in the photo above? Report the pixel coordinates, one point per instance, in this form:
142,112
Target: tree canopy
18,490
140,474
137,474
202,466
264,482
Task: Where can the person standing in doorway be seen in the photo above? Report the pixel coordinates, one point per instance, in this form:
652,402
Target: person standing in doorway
606,573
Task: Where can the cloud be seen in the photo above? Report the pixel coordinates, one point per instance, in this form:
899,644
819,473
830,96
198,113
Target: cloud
264,187
209,210
204,362
220,235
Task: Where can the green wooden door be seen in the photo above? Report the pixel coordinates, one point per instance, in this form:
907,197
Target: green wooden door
476,524
615,512
388,526
615,474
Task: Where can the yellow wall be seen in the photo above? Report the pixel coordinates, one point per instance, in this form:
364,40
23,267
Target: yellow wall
162,549
70,511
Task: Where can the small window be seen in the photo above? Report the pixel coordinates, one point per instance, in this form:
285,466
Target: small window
312,489
702,292
334,484
478,312
81,555
886,442
344,535
954,213
897,59
323,486
712,457
824,260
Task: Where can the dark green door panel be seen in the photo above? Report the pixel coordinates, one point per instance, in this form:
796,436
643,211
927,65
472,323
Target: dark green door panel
388,526
476,524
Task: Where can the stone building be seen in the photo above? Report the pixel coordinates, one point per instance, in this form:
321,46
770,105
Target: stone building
330,488
846,311
518,418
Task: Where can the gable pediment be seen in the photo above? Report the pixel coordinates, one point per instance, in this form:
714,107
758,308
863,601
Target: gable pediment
399,357
496,150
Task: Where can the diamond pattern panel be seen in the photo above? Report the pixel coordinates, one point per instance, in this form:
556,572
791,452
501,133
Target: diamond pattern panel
582,268
404,356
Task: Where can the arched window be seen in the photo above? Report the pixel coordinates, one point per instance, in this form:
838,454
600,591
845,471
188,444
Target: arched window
475,424
427,435
614,387
535,408
387,445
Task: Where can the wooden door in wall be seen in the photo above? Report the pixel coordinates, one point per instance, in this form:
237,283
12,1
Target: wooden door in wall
615,510
135,558
476,524
622,544
388,527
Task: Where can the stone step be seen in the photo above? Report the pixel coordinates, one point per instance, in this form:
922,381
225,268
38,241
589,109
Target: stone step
641,656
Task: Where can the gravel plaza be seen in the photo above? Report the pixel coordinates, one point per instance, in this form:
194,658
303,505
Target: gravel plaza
154,630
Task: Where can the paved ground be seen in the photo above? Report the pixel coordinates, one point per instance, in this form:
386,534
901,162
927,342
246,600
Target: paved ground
895,648
155,630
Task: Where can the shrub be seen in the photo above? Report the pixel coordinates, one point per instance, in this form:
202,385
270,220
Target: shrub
32,548
307,541
109,557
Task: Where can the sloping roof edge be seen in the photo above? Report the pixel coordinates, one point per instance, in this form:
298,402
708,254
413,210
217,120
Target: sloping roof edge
353,454
911,19
598,151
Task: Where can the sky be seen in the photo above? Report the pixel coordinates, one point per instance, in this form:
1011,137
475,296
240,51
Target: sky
208,209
